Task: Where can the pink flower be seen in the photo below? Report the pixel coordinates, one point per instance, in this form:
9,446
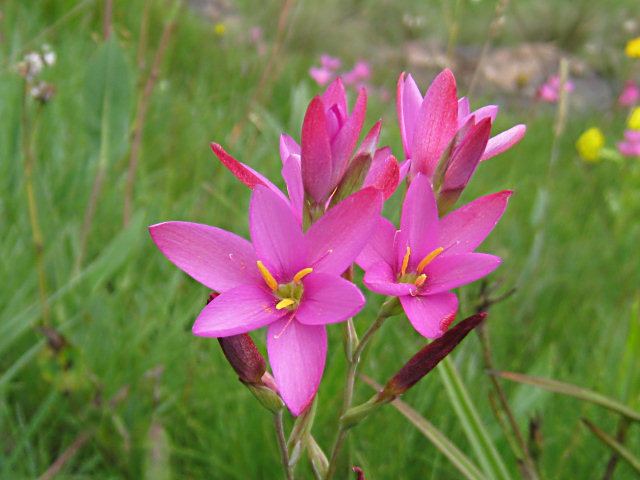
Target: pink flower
286,280
440,128
329,62
428,257
550,91
630,146
321,75
359,75
630,94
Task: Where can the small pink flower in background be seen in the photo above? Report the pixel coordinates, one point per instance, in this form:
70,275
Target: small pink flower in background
329,62
630,94
630,146
257,38
321,75
286,280
550,91
428,257
439,127
359,75
326,72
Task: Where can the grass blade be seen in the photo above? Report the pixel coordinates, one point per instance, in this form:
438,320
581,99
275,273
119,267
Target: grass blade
572,391
439,440
614,445
486,452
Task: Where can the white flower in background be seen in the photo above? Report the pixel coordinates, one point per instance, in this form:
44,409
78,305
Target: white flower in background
48,55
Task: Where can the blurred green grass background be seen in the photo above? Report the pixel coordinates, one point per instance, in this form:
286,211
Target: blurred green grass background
126,313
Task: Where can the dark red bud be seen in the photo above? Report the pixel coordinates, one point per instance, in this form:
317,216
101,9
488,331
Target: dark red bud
359,473
426,359
243,355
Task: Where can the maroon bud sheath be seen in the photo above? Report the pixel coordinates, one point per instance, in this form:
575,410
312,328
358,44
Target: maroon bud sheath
426,359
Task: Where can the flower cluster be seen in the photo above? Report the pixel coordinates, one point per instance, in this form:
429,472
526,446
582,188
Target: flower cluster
31,67
290,277
549,91
329,67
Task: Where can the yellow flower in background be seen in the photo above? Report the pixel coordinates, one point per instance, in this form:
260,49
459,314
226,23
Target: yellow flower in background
633,48
220,29
634,119
590,144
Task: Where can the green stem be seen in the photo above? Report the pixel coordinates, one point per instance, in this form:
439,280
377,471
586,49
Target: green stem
385,312
282,444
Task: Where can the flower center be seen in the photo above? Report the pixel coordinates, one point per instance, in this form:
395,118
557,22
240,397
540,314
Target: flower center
288,295
417,278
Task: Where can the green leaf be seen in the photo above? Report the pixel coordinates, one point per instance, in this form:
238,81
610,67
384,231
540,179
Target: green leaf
109,94
614,445
114,255
481,443
439,440
572,391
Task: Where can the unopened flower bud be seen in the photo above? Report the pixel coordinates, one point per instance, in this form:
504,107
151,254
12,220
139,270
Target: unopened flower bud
244,357
426,359
353,178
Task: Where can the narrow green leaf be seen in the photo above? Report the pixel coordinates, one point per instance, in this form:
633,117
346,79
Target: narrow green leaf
109,94
439,440
481,443
572,391
93,276
614,445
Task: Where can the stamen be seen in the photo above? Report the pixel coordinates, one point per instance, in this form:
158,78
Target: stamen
428,259
284,303
420,280
301,274
405,261
268,278
278,335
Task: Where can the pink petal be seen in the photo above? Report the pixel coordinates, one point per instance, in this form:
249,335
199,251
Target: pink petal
321,75
464,229
384,174
431,315
404,169
503,141
408,103
316,152
344,143
328,299
380,247
463,110
436,123
236,311
370,142
339,236
381,278
488,111
242,172
297,354
335,94
218,259
466,156
292,175
447,272
288,147
419,221
276,234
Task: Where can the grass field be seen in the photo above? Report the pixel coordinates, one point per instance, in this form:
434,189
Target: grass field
154,401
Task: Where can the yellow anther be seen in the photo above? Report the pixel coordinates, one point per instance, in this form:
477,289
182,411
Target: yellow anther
428,259
420,280
301,274
284,303
405,261
268,278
